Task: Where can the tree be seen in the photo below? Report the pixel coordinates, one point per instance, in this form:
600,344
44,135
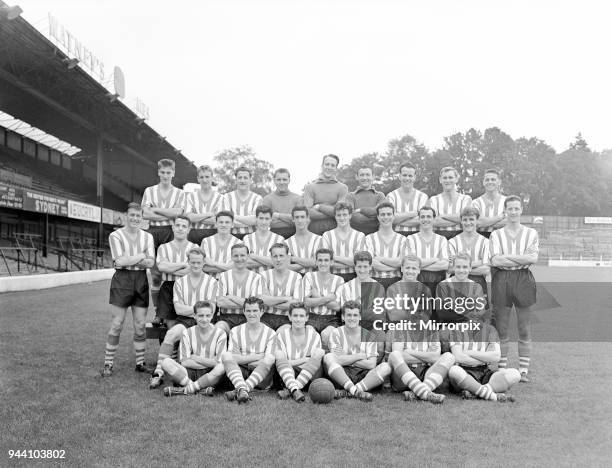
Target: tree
579,143
228,160
347,173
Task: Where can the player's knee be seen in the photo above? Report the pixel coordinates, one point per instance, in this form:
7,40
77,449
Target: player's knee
329,359
269,360
174,334
318,353
395,358
455,374
116,327
167,364
217,370
384,369
447,359
226,356
512,376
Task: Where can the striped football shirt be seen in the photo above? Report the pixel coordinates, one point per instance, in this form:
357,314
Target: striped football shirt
404,203
436,247
343,246
122,243
502,243
478,249
153,198
305,249
194,203
253,285
481,340
378,247
259,246
293,351
189,290
313,281
173,252
290,285
488,209
339,343
192,344
241,343
232,202
217,250
444,207
421,341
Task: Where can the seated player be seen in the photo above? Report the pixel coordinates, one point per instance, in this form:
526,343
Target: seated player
282,288
431,248
132,251
190,289
202,205
475,351
242,202
474,244
304,244
409,287
319,292
235,286
351,362
298,351
449,204
218,247
260,241
281,201
407,200
418,367
386,246
343,241
249,357
172,263
200,367
364,201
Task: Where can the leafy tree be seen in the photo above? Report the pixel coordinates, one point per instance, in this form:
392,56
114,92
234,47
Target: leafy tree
228,160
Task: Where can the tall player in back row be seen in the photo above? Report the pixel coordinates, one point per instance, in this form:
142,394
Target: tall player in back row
242,202
132,252
449,204
407,200
202,205
490,204
161,203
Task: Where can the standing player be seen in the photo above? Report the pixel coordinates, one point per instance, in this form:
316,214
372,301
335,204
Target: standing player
387,247
475,351
407,200
188,290
242,202
218,247
449,204
351,362
319,292
235,286
514,248
260,241
304,244
282,201
249,357
431,248
418,367
364,201
132,250
490,204
202,205
284,287
298,351
475,245
343,241
200,367
161,204
172,263
321,196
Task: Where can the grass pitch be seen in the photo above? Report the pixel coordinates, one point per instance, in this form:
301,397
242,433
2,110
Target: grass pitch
52,345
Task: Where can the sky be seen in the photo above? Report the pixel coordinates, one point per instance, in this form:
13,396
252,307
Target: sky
299,79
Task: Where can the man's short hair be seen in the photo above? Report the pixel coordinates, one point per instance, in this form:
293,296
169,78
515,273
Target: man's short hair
426,208
166,163
449,168
240,245
253,300
351,305
243,169
203,305
133,206
512,198
205,168
342,205
297,305
263,209
299,208
361,168
196,251
279,245
462,256
324,250
182,216
470,211
385,204
411,258
229,214
362,256
493,171
407,166
333,156
282,170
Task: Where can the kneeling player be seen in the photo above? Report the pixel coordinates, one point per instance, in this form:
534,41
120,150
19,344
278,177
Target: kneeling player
200,355
418,366
351,362
474,351
249,358
298,350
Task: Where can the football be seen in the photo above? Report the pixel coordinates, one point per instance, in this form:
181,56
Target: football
321,391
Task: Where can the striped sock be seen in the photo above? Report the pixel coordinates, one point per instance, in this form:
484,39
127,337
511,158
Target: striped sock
165,350
308,369
176,372
258,374
403,372
504,345
524,352
112,342
465,381
374,378
285,370
233,372
139,348
438,371
338,375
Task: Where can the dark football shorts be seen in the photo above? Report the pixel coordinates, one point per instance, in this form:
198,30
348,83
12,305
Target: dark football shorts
482,375
346,276
274,321
513,287
321,322
417,369
165,305
356,374
431,279
129,288
187,322
448,234
195,374
386,282
161,235
285,232
233,320
247,370
196,235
